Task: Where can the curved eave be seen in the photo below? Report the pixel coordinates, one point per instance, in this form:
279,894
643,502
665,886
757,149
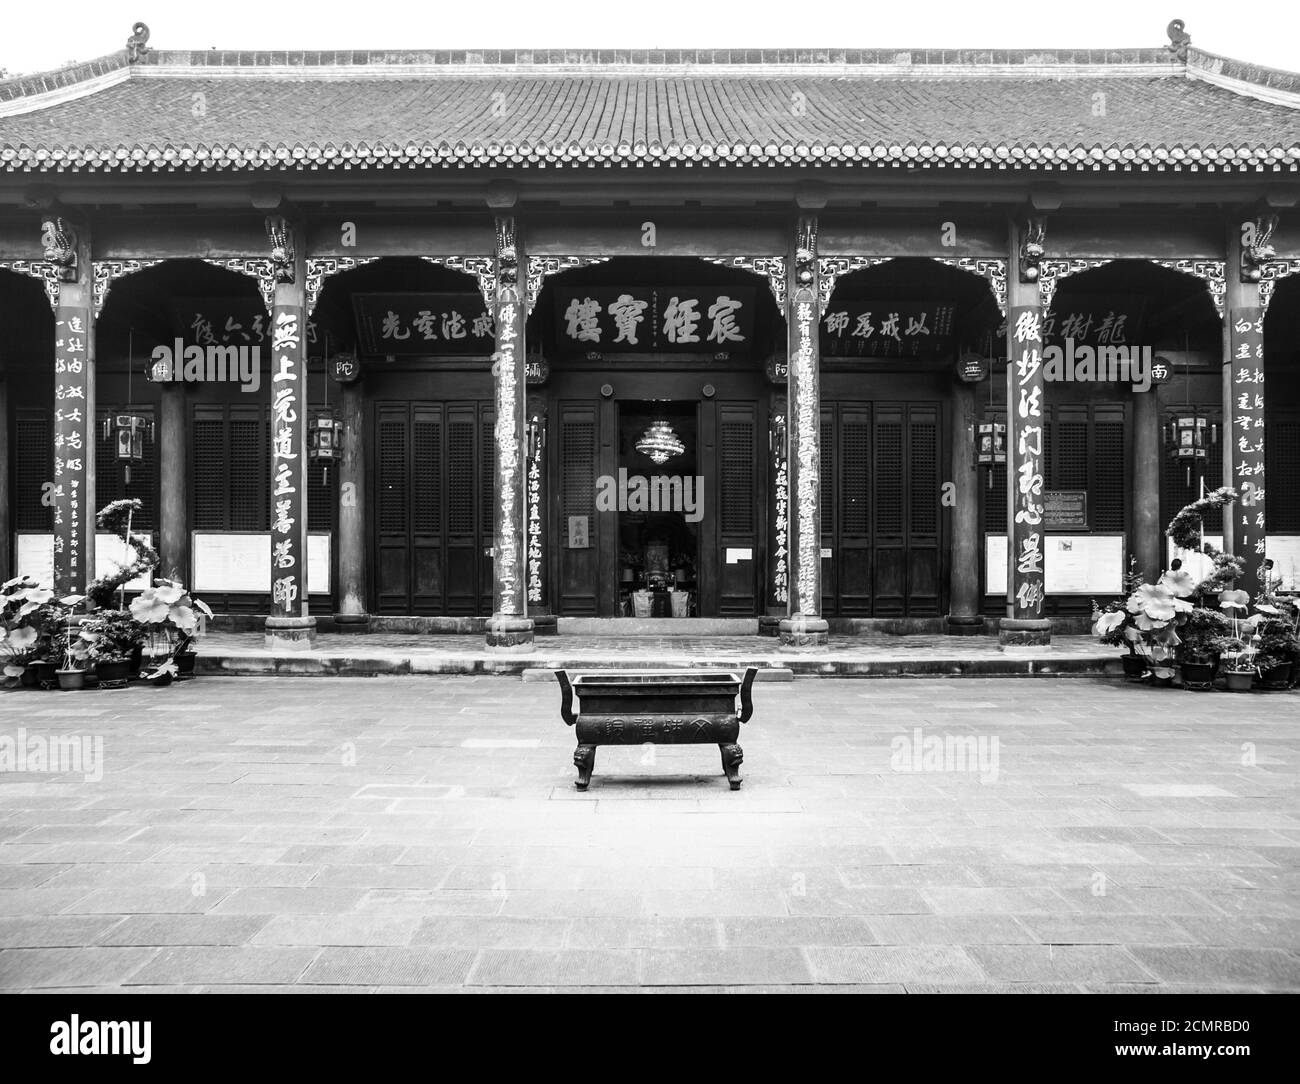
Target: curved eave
155,159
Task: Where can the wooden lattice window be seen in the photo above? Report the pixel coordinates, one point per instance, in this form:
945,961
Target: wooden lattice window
426,466
737,471
231,486
855,480
33,468
578,482
889,472
924,486
462,500
391,476
1282,475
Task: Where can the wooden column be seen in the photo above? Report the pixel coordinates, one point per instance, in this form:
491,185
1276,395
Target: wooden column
1148,530
510,629
74,410
1243,412
289,626
1024,624
173,504
352,615
964,573
805,627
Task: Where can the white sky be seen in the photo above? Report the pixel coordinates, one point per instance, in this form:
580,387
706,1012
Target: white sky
39,36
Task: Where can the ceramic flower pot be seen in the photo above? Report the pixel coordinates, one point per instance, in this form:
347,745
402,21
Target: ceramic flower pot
46,674
1239,681
136,661
71,679
28,679
1198,675
1276,677
113,675
1134,666
185,663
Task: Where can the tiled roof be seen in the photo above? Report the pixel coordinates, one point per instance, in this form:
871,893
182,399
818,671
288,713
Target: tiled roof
1125,110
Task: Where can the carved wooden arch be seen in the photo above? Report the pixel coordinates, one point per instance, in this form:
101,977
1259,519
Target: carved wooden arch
106,272
1210,272
48,273
992,270
771,268
1271,272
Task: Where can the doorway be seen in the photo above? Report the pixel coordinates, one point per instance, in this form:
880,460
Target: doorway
658,497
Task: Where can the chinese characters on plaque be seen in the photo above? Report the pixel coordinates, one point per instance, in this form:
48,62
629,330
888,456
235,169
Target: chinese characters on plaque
445,325
886,329
226,321
1025,395
71,365
636,318
1247,339
1095,321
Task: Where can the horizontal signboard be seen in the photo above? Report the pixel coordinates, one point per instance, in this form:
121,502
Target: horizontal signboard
655,318
443,325
887,329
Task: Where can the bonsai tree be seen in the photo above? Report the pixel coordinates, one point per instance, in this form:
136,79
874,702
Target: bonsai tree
139,554
1201,630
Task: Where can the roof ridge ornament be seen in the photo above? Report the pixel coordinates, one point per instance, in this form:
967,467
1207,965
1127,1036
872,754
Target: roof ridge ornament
1179,39
137,44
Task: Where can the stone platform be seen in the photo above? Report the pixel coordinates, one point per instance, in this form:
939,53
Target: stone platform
874,656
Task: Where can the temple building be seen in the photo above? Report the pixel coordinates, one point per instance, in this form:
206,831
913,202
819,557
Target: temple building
794,340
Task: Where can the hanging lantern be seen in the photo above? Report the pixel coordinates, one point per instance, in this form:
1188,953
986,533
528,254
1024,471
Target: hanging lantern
992,448
660,443
128,431
1190,433
324,440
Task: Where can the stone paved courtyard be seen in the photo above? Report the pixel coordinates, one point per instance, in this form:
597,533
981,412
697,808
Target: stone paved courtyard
424,833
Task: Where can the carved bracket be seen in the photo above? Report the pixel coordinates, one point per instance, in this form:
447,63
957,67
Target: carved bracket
106,272
47,273
1258,252
280,234
257,267
483,268
59,240
1050,272
1032,233
1271,273
1211,272
993,271
804,272
323,267
771,268
832,267
541,268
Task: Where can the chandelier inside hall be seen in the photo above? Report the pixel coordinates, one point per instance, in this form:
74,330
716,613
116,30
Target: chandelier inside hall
659,442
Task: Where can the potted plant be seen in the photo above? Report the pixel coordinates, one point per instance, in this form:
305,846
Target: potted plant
167,613
1277,626
1238,652
1148,621
24,613
1113,624
73,644
118,639
1199,634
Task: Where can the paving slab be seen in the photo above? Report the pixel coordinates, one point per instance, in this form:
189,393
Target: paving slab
423,833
